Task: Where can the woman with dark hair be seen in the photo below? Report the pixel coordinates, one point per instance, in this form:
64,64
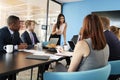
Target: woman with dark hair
91,51
60,28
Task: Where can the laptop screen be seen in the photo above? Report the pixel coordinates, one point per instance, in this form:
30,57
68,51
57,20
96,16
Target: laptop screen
75,39
53,40
71,44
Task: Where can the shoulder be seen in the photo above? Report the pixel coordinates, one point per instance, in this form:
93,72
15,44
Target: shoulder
81,43
65,24
4,30
107,32
110,34
82,47
34,33
54,26
25,33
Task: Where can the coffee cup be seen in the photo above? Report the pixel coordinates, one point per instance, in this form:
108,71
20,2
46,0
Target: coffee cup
8,48
66,47
59,49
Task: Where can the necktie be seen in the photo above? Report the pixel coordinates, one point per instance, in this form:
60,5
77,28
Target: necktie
12,38
32,38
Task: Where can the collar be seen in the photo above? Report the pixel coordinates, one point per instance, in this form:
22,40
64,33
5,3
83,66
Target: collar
28,31
106,30
11,32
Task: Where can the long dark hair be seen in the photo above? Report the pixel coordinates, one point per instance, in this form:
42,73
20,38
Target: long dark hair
93,28
58,20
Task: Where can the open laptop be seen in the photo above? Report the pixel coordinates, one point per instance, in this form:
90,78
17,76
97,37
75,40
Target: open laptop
53,41
72,45
51,47
74,38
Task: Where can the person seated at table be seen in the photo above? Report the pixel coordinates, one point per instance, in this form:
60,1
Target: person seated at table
92,51
116,31
10,35
29,36
112,40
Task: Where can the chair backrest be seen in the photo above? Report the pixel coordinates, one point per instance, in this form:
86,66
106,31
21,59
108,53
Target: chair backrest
45,43
96,74
115,67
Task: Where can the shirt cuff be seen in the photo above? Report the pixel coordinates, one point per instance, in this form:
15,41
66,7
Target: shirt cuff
16,47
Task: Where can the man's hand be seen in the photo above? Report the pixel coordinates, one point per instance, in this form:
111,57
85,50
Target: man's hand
22,46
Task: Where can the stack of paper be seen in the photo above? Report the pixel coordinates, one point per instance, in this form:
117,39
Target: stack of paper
64,54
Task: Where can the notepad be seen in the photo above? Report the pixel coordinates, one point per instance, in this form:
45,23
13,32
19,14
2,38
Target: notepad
38,57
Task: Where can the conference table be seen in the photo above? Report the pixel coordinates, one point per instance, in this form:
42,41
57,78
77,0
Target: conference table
17,62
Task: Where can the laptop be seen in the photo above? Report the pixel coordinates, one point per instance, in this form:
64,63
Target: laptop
74,38
52,44
72,45
53,41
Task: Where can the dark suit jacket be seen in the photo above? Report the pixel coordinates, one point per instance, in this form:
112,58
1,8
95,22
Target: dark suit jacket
26,39
114,45
6,38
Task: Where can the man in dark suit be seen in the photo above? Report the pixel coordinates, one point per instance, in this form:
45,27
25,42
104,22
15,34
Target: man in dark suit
113,42
10,35
29,36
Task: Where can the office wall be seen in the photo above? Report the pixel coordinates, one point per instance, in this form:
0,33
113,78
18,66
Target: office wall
76,11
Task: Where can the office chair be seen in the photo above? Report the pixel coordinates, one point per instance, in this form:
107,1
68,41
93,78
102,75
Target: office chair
115,70
95,74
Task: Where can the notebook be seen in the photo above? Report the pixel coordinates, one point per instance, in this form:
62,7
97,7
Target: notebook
72,45
38,57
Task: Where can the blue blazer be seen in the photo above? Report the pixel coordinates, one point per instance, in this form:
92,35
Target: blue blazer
6,38
26,39
114,45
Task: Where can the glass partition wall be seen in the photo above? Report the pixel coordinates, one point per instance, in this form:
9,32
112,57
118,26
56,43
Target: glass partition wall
44,12
54,11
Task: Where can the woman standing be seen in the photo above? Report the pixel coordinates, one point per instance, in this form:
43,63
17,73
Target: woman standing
60,28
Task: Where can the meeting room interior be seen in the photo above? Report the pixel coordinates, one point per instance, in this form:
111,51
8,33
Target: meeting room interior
55,24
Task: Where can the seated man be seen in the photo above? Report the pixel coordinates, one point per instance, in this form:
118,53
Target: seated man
112,40
29,36
10,35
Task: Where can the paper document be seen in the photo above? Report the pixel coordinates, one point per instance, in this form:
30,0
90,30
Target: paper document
42,53
64,54
55,57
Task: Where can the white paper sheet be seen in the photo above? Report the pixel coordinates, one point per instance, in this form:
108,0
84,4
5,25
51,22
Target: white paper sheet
64,54
36,52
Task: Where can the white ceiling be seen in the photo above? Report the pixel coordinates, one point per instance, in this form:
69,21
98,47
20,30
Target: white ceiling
66,1
31,7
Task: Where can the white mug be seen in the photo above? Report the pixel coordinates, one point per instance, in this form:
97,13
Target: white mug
66,47
59,49
8,48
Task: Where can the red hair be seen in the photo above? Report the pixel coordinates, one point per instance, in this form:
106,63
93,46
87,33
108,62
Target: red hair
93,28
